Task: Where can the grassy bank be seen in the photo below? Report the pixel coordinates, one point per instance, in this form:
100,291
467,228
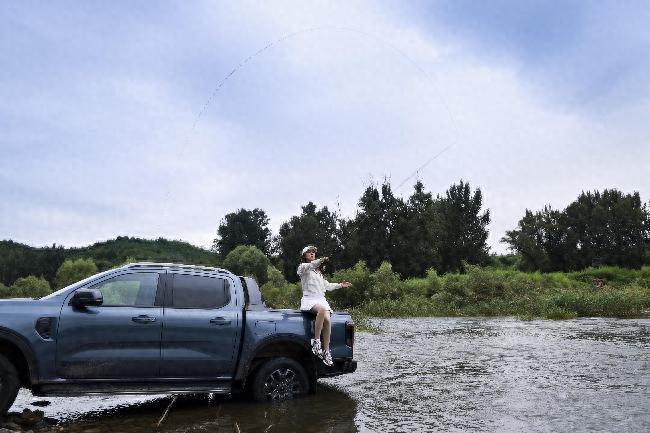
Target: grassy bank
600,292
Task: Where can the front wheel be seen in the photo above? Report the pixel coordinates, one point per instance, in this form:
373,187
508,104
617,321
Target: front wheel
280,379
9,385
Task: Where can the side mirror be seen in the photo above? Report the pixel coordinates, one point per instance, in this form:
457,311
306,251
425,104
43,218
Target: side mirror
86,298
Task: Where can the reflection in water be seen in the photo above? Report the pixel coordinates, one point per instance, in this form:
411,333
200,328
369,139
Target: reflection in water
328,411
437,374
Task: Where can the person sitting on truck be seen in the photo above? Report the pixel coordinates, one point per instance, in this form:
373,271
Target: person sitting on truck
314,286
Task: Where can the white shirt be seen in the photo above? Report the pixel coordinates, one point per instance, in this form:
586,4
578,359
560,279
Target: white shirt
313,283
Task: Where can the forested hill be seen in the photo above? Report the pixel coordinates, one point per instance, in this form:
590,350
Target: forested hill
19,260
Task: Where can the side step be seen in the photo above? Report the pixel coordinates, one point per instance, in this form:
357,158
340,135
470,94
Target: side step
91,388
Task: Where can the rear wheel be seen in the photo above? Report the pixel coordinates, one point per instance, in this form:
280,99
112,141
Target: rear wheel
280,379
9,385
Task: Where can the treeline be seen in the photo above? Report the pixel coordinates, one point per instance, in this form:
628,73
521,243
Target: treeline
417,233
414,234
608,228
20,261
449,231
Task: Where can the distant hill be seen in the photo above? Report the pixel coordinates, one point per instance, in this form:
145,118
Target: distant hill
19,260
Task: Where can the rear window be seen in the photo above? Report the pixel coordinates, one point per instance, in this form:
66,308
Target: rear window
193,291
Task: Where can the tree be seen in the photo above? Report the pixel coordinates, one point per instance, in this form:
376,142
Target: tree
608,228
462,231
31,287
248,260
313,226
372,234
415,235
72,271
244,227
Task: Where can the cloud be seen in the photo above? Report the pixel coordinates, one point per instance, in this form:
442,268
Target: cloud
361,94
592,56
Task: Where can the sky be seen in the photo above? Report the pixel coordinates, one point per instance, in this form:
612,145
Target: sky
126,118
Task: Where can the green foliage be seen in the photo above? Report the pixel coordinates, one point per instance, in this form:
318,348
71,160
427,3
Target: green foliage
275,277
30,287
434,282
249,261
5,292
385,283
313,226
415,287
608,228
18,260
463,228
72,271
373,232
243,227
361,279
484,284
366,285
285,295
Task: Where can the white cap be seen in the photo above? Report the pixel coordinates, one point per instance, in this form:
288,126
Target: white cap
308,248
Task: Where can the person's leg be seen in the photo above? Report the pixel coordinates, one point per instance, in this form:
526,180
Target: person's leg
319,311
327,330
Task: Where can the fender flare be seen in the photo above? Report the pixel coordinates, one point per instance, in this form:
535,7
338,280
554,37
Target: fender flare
25,348
246,361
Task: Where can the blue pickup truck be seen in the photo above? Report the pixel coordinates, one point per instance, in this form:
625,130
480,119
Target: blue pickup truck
162,328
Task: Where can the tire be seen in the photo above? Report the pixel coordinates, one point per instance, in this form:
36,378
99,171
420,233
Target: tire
280,379
9,385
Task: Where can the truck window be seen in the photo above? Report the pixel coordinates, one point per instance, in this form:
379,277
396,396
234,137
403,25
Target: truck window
193,291
130,290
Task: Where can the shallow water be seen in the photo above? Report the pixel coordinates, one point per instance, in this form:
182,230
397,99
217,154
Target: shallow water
452,374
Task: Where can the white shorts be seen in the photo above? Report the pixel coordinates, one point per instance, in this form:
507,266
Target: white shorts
307,302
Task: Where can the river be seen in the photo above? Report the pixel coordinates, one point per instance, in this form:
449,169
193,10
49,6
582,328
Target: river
432,374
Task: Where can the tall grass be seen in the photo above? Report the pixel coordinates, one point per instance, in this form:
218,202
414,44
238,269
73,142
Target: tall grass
604,292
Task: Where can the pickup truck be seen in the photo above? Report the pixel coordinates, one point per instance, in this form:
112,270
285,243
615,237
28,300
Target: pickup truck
151,328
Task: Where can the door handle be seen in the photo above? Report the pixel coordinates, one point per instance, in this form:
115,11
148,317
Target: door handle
143,319
220,321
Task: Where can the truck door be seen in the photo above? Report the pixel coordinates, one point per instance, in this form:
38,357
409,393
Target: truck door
117,340
201,327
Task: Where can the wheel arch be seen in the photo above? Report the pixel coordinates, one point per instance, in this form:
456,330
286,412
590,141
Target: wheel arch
285,346
18,351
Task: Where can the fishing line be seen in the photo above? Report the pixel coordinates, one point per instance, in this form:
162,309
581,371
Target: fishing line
301,32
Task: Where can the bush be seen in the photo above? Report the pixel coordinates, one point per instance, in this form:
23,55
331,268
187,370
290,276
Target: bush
361,279
248,260
5,292
386,284
72,271
275,277
278,293
31,287
434,282
455,285
485,284
285,296
418,287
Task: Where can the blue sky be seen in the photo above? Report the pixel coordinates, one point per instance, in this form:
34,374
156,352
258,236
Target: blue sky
101,136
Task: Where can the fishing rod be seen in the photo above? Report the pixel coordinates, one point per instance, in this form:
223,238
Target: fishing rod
291,35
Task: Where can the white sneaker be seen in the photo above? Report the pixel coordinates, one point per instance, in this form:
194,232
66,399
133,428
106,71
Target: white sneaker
315,347
327,358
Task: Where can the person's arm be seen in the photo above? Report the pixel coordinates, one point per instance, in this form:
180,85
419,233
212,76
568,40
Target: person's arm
332,286
306,267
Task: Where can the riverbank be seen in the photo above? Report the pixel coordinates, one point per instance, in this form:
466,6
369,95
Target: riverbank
594,292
